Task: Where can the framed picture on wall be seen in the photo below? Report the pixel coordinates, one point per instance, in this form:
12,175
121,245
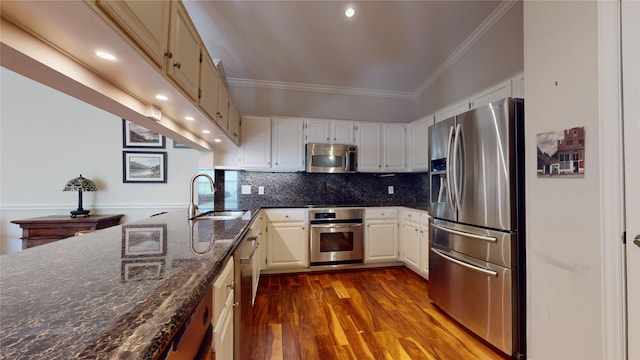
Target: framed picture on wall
136,136
144,167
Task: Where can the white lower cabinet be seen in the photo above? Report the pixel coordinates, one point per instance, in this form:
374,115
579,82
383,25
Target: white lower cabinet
411,246
381,235
222,317
287,238
424,244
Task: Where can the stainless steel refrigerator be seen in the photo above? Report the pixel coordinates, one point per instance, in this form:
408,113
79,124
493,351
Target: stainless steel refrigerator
476,255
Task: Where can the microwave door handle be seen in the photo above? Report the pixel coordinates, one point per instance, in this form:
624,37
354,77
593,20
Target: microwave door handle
346,162
448,166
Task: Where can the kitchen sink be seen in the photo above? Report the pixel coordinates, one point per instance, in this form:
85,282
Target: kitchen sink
220,215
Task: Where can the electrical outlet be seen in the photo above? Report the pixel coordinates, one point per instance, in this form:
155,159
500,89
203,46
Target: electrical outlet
260,190
390,189
246,189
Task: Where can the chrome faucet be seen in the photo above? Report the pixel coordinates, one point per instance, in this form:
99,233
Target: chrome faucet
193,207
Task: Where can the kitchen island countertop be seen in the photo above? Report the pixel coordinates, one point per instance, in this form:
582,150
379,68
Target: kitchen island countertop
120,292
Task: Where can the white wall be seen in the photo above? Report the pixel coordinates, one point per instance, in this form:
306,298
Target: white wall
313,104
48,137
495,57
564,282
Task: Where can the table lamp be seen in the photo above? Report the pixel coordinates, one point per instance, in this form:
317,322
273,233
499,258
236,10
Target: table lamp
80,184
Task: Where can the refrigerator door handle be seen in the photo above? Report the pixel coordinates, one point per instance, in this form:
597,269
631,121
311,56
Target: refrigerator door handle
464,264
448,165
466,234
457,177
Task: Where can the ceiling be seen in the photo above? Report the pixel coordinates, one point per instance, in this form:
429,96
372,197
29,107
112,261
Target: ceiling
390,47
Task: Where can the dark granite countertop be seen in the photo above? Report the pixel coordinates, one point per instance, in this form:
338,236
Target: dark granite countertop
121,292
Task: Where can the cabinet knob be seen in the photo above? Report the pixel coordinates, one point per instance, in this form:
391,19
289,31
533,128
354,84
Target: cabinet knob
327,139
230,285
169,54
177,65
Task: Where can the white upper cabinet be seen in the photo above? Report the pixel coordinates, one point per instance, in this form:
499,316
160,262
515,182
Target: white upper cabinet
517,86
394,147
419,143
342,132
320,131
452,110
255,152
368,140
287,148
381,147
490,95
146,22
184,51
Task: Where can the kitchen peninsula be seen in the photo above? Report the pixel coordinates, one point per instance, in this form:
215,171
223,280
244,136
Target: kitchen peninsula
107,294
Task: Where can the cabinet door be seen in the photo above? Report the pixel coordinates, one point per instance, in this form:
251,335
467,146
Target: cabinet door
208,99
146,22
495,93
411,245
368,136
453,110
419,146
223,331
317,131
255,152
222,106
342,132
394,147
287,245
184,47
287,147
424,244
233,125
381,241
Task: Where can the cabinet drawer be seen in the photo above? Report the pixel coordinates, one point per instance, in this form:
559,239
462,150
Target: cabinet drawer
424,220
285,215
411,215
381,213
222,288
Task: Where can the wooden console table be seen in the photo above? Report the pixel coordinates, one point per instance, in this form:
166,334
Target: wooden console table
46,229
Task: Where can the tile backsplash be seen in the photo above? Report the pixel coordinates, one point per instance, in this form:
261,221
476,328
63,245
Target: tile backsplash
302,189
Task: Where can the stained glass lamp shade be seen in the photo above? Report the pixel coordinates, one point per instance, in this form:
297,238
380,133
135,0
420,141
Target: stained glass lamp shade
80,184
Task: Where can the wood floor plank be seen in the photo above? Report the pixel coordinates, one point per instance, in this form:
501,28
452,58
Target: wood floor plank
371,314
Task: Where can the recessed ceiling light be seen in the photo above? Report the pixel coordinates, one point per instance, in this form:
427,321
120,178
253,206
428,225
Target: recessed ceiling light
105,55
162,97
206,132
217,140
189,118
350,12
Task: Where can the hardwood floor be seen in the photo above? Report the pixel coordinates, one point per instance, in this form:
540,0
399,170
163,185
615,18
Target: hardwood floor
368,314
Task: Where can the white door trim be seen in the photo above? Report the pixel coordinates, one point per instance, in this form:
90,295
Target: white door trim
611,181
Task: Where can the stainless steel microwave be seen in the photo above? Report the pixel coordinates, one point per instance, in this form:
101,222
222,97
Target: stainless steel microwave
331,158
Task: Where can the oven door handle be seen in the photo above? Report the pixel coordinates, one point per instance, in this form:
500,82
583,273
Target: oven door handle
335,225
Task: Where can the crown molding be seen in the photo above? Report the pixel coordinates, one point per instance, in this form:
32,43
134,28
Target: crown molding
491,20
319,88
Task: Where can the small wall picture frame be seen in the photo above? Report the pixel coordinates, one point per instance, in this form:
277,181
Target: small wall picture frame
144,240
561,154
144,167
136,136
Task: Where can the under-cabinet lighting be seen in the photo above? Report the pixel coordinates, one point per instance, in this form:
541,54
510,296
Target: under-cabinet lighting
206,132
162,97
105,55
217,140
189,118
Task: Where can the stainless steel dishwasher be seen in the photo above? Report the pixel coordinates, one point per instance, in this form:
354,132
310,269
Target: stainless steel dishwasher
243,315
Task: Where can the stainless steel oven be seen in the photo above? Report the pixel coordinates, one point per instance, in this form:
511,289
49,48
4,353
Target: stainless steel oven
335,236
